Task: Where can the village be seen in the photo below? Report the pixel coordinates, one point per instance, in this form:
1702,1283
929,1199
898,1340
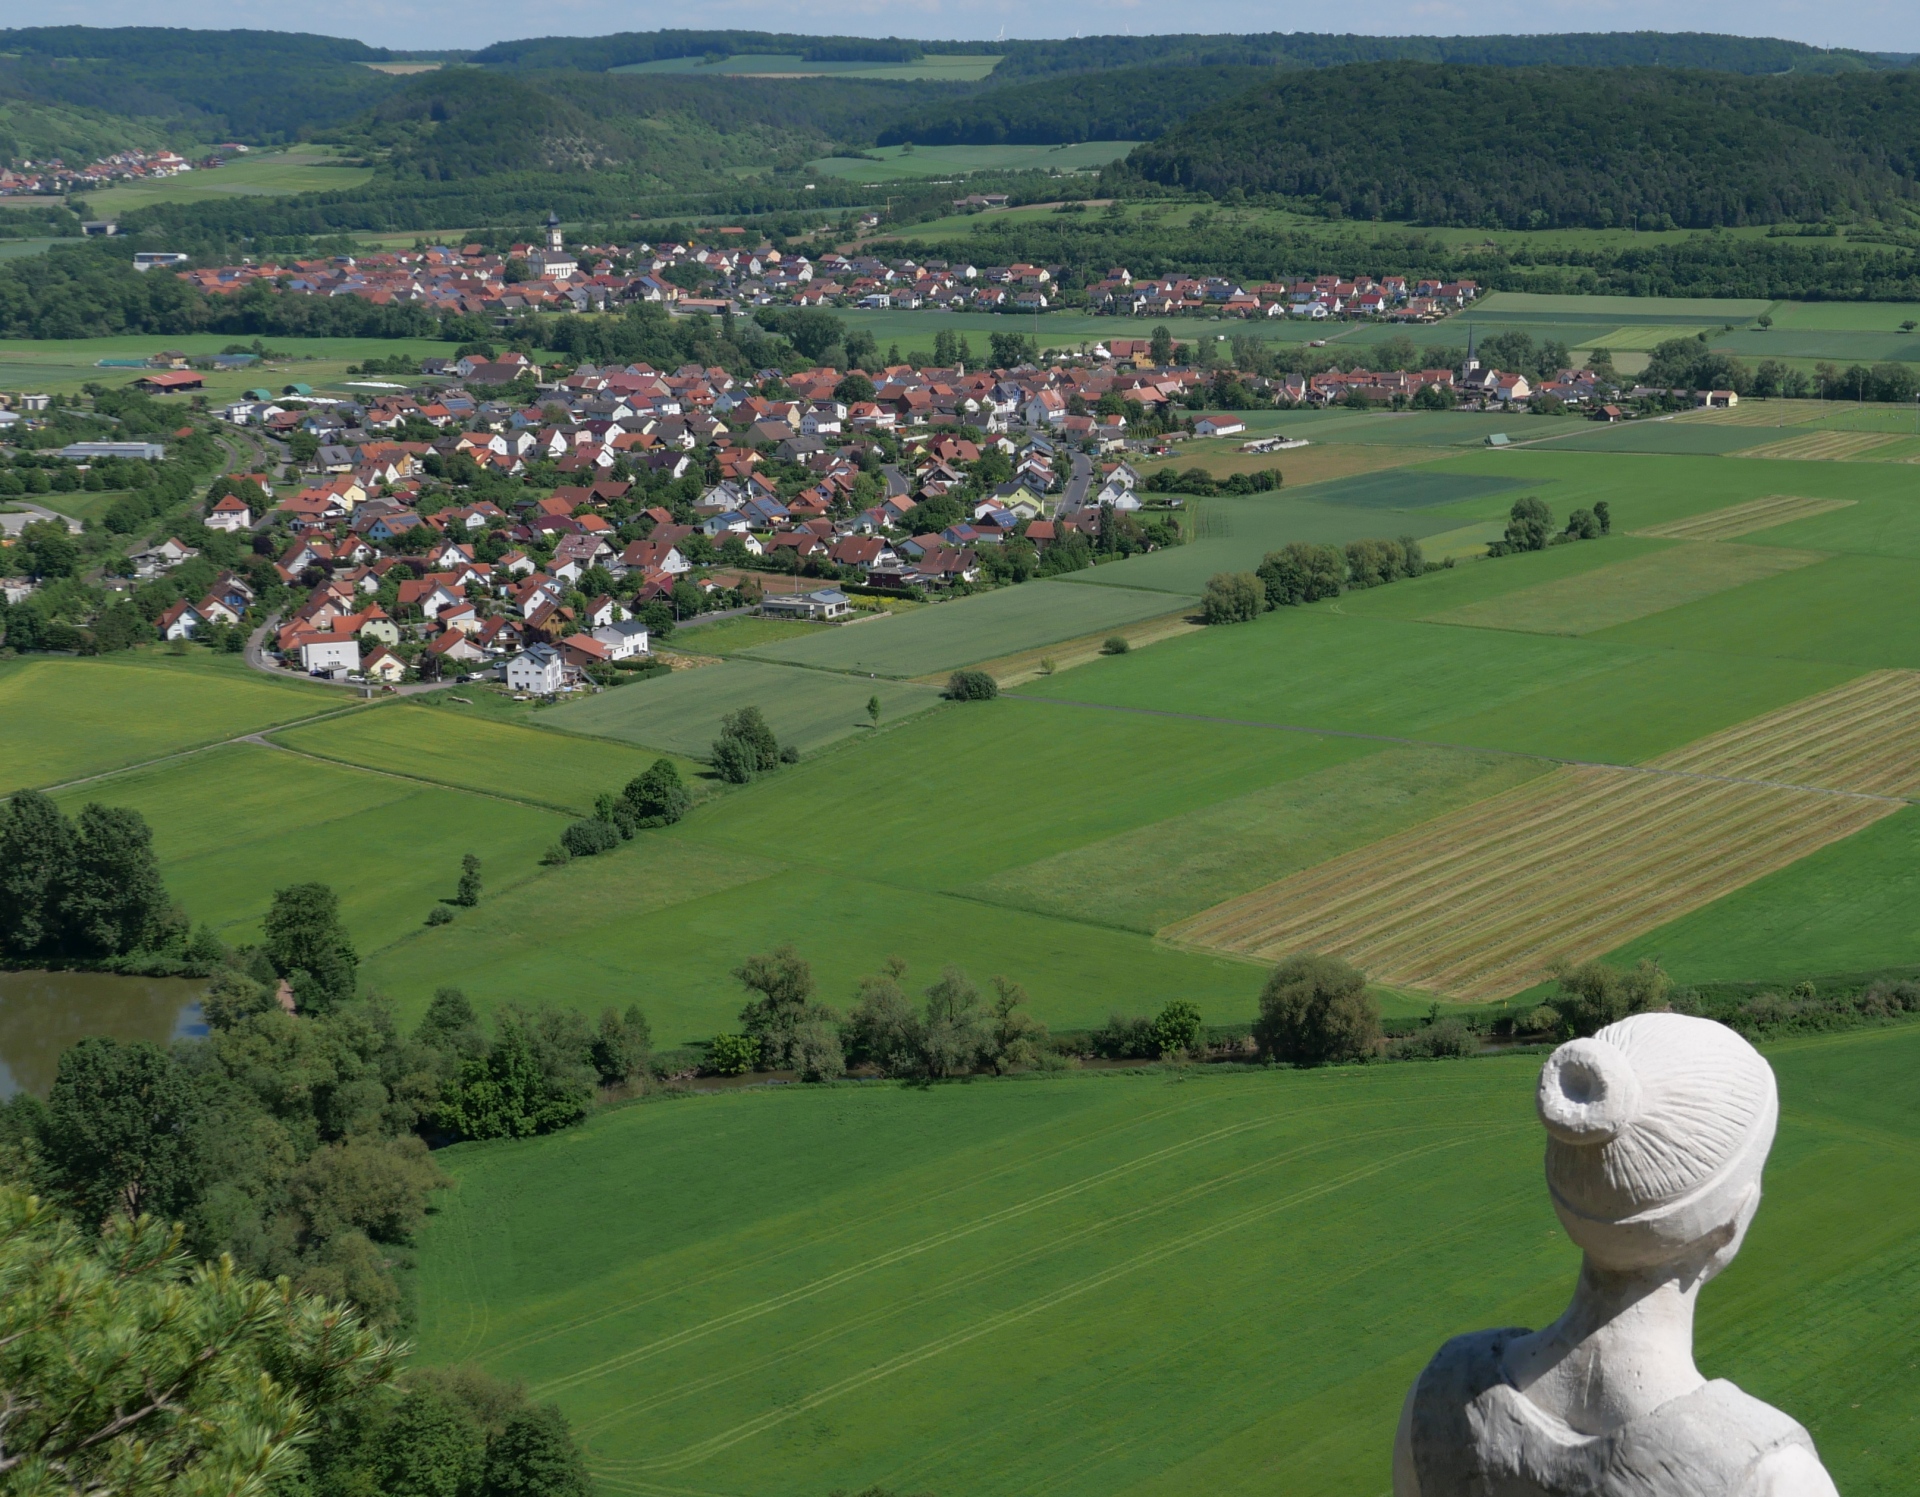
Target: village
55,176
694,277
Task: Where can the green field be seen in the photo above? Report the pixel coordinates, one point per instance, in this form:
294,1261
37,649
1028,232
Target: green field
1005,1287
237,822
682,712
302,168
560,771
63,720
904,163
972,629
730,636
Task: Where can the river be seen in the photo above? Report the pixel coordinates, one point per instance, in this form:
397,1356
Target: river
42,1013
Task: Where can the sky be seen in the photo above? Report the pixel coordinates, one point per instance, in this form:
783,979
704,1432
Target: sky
1871,25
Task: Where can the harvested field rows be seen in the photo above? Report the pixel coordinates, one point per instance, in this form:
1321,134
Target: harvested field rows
1863,736
1743,519
1822,446
1477,904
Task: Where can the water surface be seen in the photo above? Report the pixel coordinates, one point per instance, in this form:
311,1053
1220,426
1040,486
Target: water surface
42,1013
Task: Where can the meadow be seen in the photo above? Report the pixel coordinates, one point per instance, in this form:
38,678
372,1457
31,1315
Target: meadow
1145,1283
63,720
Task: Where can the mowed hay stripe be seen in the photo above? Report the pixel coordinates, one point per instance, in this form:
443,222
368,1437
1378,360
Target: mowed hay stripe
1743,519
1824,446
1863,736
1477,903
1593,855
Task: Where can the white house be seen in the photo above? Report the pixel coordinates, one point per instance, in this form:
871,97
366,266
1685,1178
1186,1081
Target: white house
230,513
537,670
330,654
1219,426
827,603
623,640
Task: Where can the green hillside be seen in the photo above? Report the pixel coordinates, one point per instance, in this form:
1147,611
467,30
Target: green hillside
1141,1284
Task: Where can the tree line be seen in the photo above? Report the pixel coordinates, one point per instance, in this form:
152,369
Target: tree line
1309,572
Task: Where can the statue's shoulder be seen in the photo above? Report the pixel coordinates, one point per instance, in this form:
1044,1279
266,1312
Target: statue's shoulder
1441,1426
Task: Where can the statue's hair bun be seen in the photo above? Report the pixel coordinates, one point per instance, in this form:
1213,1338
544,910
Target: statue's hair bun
1651,1111
1588,1092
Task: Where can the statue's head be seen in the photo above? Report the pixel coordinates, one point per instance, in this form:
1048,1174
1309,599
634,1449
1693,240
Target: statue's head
1657,1130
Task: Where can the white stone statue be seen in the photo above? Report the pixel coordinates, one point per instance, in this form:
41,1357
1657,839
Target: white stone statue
1657,1129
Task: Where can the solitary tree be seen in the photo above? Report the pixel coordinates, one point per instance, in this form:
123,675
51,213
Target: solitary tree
1232,598
119,1130
873,710
656,796
469,891
1529,525
1316,1010
1160,346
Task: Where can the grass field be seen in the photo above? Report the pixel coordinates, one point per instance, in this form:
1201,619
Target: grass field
63,720
301,168
1479,903
904,163
681,713
1002,1288
970,629
729,636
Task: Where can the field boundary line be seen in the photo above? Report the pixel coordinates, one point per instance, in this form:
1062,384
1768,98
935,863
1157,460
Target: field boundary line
207,747
704,1450
1652,768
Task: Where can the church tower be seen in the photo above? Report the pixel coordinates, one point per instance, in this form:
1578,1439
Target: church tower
555,243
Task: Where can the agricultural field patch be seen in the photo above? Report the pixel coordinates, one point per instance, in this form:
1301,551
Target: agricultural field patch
730,636
561,771
1416,490
1672,438
1236,531
1319,463
1628,589
62,718
1760,413
1478,904
1145,878
1743,519
901,1286
1623,309
681,713
1822,446
232,825
1852,906
1643,337
959,633
1862,611
298,169
667,936
949,67
897,163
1899,450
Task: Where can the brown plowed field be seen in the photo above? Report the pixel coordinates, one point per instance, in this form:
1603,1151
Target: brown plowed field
1743,519
1478,903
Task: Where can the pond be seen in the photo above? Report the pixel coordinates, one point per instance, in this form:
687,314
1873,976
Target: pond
42,1013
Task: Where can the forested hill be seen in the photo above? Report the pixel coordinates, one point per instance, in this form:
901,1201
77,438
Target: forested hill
1550,147
1039,59
1127,104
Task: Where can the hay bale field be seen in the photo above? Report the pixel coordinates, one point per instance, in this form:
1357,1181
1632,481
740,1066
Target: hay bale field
1477,904
1743,519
